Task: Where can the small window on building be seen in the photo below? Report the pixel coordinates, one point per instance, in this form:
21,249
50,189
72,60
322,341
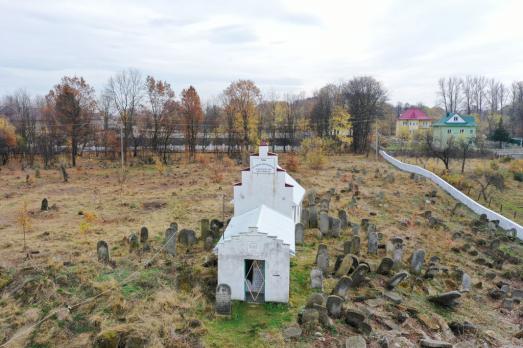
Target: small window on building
471,131
449,131
461,130
455,118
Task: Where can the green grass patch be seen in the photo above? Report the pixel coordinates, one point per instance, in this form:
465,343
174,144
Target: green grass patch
246,323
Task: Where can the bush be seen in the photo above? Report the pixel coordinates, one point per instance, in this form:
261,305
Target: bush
518,177
505,159
313,151
516,168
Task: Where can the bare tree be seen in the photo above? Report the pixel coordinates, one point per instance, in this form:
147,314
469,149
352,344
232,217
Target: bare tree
365,98
444,152
159,93
126,90
450,93
468,86
479,92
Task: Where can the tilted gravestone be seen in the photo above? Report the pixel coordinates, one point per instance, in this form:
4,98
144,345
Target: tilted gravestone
304,218
343,285
397,250
322,258
396,279
346,265
358,277
102,250
208,243
187,237
45,205
170,238
299,234
223,300
385,266
355,245
317,279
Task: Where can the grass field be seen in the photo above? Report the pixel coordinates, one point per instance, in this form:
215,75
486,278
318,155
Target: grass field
170,302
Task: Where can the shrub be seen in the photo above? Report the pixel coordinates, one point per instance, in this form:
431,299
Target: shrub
505,159
159,165
518,177
202,159
313,151
516,166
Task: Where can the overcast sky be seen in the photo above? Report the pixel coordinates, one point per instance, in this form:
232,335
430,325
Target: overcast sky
284,46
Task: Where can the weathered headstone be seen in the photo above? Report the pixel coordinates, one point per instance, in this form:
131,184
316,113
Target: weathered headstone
447,299
335,227
364,224
397,250
417,260
355,229
313,216
396,279
223,299
215,226
322,258
144,234
466,283
372,243
324,224
385,266
102,250
304,218
334,306
170,238
317,279
358,277
187,237
324,205
344,219
299,234
346,264
45,205
355,245
343,285
134,242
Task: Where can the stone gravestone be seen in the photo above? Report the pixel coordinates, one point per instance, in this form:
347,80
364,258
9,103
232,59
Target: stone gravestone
385,266
358,277
344,219
466,283
372,243
305,217
364,224
322,258
397,250
144,235
299,234
313,216
102,249
134,242
223,300
317,279
347,247
396,279
215,227
355,245
417,261
324,205
324,224
334,306
335,227
187,237
170,238
205,227
355,229
342,287
45,205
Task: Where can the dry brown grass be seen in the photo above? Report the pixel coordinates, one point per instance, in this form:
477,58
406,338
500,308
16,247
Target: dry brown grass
161,302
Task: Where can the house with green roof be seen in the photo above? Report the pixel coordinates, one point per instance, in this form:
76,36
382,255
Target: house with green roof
454,125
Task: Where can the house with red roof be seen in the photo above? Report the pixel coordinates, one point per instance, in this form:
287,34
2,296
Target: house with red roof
412,120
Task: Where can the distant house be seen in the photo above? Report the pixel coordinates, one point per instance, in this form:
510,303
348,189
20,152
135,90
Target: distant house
454,125
412,120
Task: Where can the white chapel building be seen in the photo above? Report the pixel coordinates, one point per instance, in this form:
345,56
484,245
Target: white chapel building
255,249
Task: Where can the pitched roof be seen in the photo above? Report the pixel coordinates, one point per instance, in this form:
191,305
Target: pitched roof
266,220
469,121
414,114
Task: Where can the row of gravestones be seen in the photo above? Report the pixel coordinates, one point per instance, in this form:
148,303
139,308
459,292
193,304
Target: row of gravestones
211,230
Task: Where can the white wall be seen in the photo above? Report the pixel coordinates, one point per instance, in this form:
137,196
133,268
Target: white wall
504,223
255,246
268,189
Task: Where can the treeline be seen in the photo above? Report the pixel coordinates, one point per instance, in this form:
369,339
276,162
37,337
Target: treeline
489,98
143,116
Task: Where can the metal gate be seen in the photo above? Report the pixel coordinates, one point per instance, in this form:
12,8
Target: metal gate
254,281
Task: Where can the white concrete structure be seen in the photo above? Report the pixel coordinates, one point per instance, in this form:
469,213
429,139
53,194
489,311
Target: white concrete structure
504,223
255,249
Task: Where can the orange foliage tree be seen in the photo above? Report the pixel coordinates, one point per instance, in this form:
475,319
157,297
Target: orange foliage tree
192,115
